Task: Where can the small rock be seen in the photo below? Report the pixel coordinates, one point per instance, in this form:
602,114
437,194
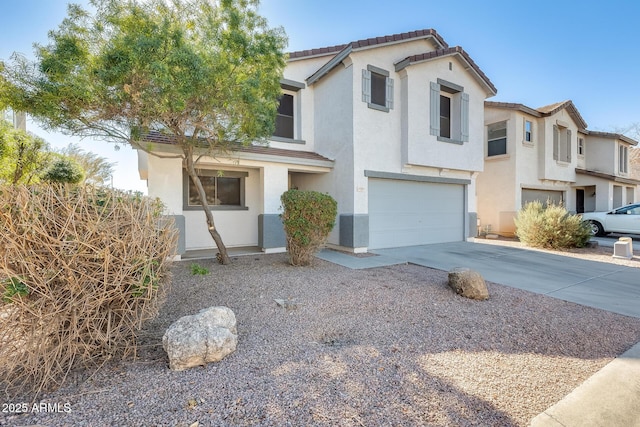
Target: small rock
468,283
196,340
289,304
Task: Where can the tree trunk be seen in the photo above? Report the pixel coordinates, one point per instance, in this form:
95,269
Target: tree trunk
191,170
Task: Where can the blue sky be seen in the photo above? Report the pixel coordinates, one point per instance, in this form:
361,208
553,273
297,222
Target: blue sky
535,53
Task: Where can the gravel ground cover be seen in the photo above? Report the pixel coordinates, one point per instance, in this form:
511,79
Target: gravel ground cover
390,346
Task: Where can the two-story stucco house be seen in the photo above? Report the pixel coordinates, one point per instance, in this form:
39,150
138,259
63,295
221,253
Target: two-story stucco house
391,127
546,154
603,176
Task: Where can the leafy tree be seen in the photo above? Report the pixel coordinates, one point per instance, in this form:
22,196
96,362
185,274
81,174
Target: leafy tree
63,170
206,72
23,156
96,169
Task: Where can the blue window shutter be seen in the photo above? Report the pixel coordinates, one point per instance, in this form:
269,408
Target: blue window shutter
434,105
366,86
568,145
389,98
555,142
465,117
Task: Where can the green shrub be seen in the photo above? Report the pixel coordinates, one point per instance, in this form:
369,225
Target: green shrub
12,287
551,227
80,269
199,270
63,170
308,218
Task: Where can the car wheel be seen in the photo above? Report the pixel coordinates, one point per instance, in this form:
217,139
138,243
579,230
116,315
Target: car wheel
596,228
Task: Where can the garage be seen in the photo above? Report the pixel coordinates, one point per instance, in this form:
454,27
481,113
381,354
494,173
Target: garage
529,195
408,213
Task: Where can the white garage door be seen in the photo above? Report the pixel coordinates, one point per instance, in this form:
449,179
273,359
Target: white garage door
529,195
407,213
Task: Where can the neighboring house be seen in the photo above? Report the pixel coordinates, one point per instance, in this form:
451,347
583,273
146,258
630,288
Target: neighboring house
19,120
604,179
548,154
391,127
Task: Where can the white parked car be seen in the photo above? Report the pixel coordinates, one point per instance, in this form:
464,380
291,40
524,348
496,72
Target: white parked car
625,219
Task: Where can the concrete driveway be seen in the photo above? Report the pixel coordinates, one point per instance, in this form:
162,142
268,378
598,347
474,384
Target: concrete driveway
601,285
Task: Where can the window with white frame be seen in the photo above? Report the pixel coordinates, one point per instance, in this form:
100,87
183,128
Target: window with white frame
561,144
449,112
285,117
528,131
223,189
497,139
623,158
288,125
377,88
580,146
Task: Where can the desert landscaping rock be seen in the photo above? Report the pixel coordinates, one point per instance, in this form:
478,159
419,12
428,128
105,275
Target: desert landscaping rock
196,340
383,346
468,283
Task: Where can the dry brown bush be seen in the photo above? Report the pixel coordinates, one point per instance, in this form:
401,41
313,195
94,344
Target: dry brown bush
80,270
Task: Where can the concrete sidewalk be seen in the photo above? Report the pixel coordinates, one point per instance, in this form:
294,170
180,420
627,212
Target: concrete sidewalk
609,398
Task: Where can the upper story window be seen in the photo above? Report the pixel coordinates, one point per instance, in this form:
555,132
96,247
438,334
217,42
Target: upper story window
288,123
445,116
561,144
528,131
580,146
449,112
497,139
284,118
623,158
377,88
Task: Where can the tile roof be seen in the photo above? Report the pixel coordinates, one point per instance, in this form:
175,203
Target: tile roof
545,111
162,138
370,42
608,176
447,52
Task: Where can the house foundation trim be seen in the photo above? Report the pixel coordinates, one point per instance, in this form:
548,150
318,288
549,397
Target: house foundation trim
354,230
179,224
271,232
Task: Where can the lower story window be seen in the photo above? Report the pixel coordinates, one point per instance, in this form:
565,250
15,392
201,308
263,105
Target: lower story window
222,189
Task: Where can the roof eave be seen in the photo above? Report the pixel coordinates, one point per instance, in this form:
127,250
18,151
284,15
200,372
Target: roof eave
490,89
326,68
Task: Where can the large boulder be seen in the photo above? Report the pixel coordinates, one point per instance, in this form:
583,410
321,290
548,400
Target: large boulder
208,336
468,283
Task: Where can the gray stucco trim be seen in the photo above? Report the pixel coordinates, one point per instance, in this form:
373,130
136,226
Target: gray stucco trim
287,140
271,232
354,230
419,178
326,68
378,70
291,85
473,224
449,140
450,87
377,107
179,224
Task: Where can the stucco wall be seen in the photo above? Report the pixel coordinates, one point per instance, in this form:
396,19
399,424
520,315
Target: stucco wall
497,186
601,155
424,148
551,169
